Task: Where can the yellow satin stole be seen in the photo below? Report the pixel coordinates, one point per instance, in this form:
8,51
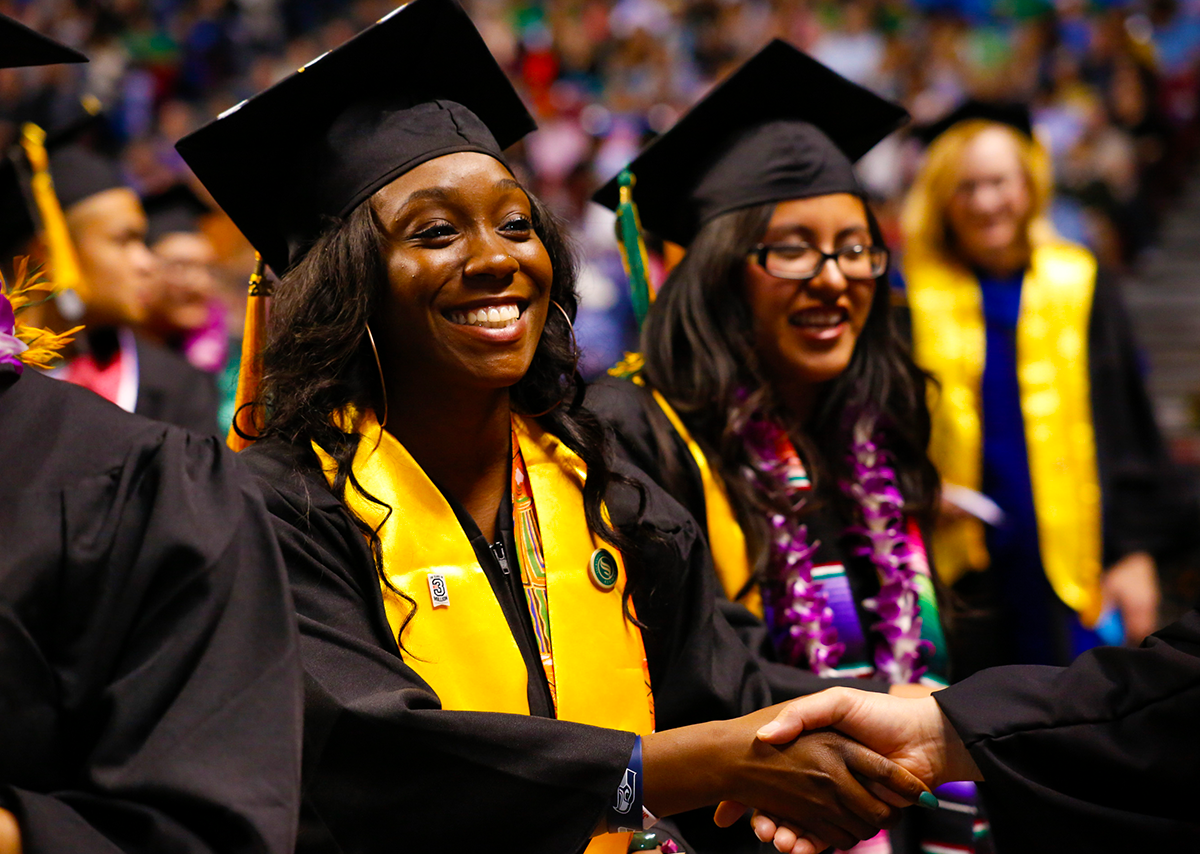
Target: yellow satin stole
726,540
465,650
949,341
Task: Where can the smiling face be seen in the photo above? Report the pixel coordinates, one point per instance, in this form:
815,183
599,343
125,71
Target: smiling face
469,280
988,214
805,332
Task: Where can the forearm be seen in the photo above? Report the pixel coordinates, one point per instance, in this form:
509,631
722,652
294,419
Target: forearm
684,768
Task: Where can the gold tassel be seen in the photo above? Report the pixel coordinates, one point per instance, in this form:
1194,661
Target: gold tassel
63,263
247,413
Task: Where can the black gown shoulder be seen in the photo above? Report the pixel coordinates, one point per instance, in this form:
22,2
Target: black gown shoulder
1103,755
151,683
384,762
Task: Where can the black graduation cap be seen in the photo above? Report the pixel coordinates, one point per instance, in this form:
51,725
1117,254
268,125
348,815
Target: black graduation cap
1010,113
76,168
783,126
419,84
174,210
21,47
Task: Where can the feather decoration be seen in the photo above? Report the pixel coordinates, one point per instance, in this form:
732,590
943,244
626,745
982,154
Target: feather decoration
21,344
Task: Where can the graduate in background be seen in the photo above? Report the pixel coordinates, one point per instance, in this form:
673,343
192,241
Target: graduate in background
150,686
66,203
185,313
1040,406
507,641
774,397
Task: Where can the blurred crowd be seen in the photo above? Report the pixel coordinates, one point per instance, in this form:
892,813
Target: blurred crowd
1113,86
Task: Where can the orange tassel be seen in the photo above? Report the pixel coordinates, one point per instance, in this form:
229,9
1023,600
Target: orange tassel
247,417
64,264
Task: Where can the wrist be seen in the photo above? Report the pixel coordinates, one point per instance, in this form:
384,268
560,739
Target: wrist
956,762
684,768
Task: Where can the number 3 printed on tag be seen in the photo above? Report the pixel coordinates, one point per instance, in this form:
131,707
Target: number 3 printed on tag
437,590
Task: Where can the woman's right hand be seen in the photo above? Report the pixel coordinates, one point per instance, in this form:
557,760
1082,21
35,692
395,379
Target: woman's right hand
818,781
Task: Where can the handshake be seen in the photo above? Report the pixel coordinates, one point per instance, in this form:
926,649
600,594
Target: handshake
825,770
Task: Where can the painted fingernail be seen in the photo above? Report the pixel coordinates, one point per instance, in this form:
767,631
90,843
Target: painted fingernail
928,801
768,730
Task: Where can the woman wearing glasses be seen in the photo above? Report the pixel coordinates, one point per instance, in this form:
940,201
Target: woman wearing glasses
774,397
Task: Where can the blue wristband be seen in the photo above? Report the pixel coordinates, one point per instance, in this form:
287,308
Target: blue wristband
625,811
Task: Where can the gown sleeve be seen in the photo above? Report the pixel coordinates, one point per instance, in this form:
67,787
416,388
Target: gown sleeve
384,765
1097,756
1147,504
153,657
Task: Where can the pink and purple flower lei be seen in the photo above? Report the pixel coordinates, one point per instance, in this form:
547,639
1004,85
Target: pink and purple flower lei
797,599
897,561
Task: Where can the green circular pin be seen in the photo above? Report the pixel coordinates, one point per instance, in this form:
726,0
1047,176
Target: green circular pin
603,569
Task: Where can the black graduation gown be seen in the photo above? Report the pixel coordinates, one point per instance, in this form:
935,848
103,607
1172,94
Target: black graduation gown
384,765
643,435
1147,501
150,694
171,389
1103,755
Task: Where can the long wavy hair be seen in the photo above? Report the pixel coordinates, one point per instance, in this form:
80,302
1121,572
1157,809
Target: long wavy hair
318,361
700,353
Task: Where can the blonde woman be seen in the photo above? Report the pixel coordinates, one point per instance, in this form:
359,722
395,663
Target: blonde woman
1042,429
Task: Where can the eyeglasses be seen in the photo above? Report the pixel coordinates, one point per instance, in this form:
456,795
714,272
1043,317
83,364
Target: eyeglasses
803,262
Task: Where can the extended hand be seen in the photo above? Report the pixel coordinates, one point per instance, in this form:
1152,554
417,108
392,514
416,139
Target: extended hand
911,732
819,781
10,833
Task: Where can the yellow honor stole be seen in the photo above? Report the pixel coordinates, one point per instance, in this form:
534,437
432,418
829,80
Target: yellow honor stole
459,641
949,341
726,540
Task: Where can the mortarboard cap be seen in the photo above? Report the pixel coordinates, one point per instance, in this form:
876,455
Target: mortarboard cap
1002,112
419,84
782,126
77,169
21,47
174,210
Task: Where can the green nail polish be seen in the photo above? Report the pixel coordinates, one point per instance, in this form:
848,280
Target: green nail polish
928,801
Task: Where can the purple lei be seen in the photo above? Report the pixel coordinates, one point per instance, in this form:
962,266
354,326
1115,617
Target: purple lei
797,601
898,606
11,347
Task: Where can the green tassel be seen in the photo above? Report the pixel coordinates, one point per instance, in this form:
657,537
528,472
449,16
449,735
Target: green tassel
633,250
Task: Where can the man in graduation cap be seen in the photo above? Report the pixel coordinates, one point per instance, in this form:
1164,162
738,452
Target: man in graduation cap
185,313
1043,430
66,203
149,686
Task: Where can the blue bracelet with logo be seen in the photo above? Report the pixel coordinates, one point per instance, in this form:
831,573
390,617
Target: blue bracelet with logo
625,811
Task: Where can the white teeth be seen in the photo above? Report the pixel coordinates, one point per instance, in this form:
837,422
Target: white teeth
491,317
819,318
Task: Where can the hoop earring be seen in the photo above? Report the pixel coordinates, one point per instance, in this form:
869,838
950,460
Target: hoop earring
382,386
574,360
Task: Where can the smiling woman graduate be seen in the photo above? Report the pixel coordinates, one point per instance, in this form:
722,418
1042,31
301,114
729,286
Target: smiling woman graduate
774,397
494,621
